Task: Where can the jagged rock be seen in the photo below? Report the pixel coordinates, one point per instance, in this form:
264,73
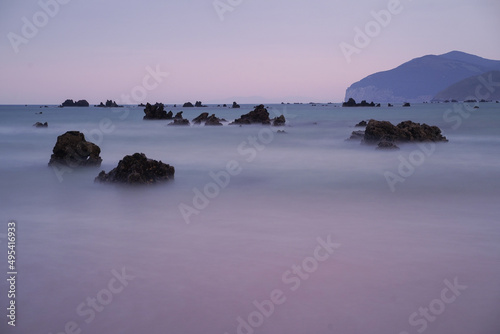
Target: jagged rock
73,150
279,121
198,104
362,124
213,121
71,103
357,135
141,105
109,104
235,105
407,131
156,111
201,118
258,116
138,169
179,115
188,105
41,125
387,145
352,103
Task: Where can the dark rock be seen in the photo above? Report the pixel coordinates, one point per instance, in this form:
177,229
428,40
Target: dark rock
156,111
357,135
179,115
179,121
235,105
476,107
41,125
188,105
352,103
138,169
201,118
224,106
406,104
199,104
389,105
71,103
279,121
213,121
141,105
73,150
361,124
387,145
109,104
407,131
258,116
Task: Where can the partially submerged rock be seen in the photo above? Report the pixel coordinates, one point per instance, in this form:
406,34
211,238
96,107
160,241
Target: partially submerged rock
362,124
357,135
387,145
259,115
71,103
407,131
235,105
352,103
138,169
156,111
109,104
41,125
73,150
188,105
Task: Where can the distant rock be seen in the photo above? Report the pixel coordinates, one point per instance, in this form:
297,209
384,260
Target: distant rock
406,104
213,121
389,105
224,106
198,104
73,150
235,105
408,131
178,115
137,169
156,111
387,145
352,103
258,116
71,103
141,105
41,125
109,104
188,105
362,124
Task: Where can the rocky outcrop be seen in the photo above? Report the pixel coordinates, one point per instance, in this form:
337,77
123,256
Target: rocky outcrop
213,121
357,135
361,124
156,111
109,104
71,103
198,104
259,115
41,125
201,118
73,150
235,105
352,103
408,131
188,105
178,115
406,104
279,121
138,169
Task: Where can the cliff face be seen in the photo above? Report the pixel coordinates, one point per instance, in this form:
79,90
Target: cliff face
420,79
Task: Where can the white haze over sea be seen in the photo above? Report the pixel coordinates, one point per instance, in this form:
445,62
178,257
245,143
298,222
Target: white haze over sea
396,252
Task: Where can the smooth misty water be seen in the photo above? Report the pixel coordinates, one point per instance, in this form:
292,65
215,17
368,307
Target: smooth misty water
396,248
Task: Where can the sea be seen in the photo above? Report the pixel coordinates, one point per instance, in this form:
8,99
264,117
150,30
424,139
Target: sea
261,231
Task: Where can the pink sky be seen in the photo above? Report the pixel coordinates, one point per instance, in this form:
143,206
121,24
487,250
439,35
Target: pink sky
262,51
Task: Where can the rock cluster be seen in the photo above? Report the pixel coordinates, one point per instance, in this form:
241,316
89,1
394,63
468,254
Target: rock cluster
259,116
109,104
352,103
406,131
156,111
41,125
235,105
179,120
71,103
138,169
208,120
73,150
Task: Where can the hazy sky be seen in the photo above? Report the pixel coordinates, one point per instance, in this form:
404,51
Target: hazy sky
249,50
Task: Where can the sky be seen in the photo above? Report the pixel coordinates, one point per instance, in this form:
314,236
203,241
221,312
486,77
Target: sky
219,51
